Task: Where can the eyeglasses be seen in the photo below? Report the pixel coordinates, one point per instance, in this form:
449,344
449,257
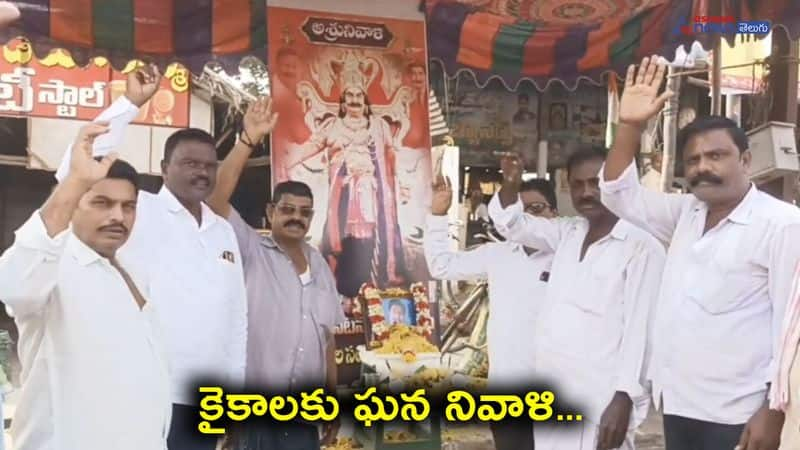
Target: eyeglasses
536,208
288,210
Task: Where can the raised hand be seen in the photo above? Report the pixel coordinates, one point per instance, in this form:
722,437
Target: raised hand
442,196
142,84
640,100
259,120
83,167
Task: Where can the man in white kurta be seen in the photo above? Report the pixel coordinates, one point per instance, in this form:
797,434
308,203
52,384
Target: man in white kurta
94,373
592,331
517,279
187,260
728,276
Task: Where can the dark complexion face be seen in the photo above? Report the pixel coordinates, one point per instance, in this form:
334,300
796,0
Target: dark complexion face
584,188
291,217
192,171
715,168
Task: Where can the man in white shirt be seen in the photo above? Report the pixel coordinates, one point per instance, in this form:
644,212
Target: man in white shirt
187,260
592,330
732,249
94,373
517,278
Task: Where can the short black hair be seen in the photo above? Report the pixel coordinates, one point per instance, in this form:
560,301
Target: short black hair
585,153
297,188
186,134
543,187
708,123
121,170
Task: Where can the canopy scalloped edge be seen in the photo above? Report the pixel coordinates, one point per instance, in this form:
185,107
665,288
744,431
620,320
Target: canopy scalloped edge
195,63
597,77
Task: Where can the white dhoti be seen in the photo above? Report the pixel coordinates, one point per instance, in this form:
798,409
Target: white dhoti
581,436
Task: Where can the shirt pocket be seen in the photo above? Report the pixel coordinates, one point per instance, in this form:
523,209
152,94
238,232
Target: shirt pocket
601,286
724,286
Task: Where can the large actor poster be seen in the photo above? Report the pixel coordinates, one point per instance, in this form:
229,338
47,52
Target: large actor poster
350,87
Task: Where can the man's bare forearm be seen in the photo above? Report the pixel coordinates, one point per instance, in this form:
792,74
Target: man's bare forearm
228,176
59,207
627,141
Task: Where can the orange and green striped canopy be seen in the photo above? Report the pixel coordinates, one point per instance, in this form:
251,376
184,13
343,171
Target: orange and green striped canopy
191,32
538,40
567,40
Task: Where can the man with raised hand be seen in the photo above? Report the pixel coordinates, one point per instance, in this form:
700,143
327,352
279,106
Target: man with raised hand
732,250
187,260
517,278
591,340
94,373
294,306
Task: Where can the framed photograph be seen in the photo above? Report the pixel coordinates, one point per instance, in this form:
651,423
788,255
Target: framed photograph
395,306
399,311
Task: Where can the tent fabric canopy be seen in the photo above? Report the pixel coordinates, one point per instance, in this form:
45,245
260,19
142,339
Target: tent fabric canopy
555,40
513,40
191,32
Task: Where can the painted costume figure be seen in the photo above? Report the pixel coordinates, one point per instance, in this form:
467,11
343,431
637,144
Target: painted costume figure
362,239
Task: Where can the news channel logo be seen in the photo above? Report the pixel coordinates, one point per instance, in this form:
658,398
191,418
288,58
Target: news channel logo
721,25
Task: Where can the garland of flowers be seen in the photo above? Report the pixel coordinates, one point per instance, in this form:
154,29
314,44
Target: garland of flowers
424,318
372,297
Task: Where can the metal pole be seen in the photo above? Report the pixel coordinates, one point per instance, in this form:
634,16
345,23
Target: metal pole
541,164
716,74
670,133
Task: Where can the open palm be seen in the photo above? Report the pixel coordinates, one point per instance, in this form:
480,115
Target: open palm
640,100
259,120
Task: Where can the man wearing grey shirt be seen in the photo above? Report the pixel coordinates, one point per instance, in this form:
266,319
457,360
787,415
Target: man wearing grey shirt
293,304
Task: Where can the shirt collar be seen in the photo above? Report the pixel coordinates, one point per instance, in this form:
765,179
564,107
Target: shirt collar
269,242
84,254
742,214
207,217
620,230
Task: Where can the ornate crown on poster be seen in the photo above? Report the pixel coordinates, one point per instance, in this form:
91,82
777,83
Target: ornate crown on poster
356,72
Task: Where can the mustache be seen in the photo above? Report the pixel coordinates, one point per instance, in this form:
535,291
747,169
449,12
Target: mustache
295,222
200,178
114,227
707,177
588,202
355,105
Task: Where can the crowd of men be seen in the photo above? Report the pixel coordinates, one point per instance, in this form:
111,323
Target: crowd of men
690,300
126,299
